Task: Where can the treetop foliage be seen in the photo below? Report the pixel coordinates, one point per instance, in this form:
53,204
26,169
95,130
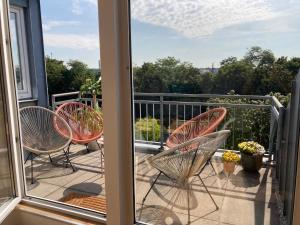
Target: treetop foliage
259,72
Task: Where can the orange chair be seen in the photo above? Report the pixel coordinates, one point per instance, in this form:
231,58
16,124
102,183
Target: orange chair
86,123
202,124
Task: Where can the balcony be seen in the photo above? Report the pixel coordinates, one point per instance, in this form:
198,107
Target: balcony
243,198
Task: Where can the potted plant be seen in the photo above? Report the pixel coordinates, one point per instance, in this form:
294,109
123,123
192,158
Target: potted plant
230,159
251,155
91,87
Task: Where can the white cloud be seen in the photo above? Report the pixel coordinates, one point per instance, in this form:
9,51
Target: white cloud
198,18
48,25
94,2
72,41
78,5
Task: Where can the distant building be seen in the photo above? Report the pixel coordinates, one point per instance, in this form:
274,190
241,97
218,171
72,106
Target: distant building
209,70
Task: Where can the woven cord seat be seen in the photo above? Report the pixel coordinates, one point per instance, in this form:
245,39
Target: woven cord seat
179,164
86,124
202,124
40,133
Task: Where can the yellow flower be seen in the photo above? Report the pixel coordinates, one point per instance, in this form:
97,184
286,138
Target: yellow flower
230,156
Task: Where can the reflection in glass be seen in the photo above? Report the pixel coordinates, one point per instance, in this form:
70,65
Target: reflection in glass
6,184
16,50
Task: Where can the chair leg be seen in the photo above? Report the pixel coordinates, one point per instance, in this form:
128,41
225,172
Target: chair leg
87,149
217,207
99,146
68,149
68,152
27,158
101,156
144,199
32,181
51,161
188,201
68,159
210,163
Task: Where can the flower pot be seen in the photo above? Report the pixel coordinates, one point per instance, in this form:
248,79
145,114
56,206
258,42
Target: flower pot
251,163
229,167
93,146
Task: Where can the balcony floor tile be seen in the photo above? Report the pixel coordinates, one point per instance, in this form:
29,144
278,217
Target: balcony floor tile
243,198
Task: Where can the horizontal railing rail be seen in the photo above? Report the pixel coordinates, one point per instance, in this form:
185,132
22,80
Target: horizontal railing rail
158,114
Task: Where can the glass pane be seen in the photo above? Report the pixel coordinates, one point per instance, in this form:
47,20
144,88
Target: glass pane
60,167
6,179
15,32
214,51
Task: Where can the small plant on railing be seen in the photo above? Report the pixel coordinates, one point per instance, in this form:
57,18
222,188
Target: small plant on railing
147,129
230,159
251,155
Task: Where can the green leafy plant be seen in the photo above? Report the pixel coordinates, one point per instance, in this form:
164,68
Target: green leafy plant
230,156
150,126
91,87
251,148
90,120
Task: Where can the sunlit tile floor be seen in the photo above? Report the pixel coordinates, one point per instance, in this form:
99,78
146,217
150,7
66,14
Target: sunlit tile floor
243,198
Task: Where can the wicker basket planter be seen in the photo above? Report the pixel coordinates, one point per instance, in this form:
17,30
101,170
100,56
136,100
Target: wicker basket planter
252,163
228,167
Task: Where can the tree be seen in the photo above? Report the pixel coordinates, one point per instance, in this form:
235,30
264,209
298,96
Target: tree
228,60
78,73
55,70
66,78
259,57
167,75
234,75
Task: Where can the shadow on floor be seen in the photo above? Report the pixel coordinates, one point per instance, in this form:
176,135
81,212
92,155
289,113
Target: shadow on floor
172,193
86,187
157,215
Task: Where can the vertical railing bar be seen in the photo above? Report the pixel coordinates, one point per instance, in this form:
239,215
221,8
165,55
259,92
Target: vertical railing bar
176,115
233,128
153,116
251,133
260,135
161,109
192,110
169,119
184,113
226,120
242,125
147,121
140,107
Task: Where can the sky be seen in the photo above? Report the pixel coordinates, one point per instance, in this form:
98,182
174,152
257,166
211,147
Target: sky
202,32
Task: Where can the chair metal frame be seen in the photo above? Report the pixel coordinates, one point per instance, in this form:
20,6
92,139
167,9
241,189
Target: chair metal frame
77,107
191,150
51,122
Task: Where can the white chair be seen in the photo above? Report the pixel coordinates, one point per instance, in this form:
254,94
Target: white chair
186,160
41,133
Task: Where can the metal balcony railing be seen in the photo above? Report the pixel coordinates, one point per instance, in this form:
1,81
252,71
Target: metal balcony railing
249,117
